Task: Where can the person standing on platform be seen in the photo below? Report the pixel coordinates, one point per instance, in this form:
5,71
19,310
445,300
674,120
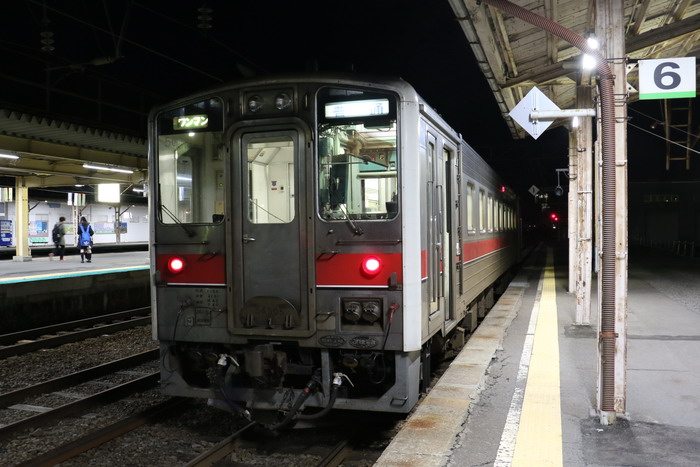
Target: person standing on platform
85,234
58,235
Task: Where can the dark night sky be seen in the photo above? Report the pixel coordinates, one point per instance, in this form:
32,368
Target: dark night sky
163,55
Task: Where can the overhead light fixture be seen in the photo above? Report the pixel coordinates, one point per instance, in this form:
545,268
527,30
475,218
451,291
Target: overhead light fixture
588,62
8,155
593,42
102,167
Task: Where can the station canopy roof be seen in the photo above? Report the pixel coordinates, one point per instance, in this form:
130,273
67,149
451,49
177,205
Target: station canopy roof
516,56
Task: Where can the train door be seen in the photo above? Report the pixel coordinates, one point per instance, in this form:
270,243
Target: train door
452,232
438,234
271,227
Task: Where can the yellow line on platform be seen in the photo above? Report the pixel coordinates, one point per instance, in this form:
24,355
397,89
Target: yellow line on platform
539,440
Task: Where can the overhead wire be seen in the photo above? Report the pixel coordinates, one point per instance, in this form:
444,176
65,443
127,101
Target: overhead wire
134,43
663,138
656,120
181,24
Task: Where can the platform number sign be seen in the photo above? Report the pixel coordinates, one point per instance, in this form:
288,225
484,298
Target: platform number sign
667,78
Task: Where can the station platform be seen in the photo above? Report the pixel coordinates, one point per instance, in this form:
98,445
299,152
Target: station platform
523,390
45,267
42,292
41,251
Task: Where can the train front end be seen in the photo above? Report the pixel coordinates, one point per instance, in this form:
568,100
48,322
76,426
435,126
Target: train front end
277,248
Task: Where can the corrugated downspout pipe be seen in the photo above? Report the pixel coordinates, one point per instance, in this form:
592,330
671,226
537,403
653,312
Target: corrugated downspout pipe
605,82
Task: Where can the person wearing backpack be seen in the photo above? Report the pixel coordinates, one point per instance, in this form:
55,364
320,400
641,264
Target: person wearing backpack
85,234
58,236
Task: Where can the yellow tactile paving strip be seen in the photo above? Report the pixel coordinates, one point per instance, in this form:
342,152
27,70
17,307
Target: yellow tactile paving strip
539,440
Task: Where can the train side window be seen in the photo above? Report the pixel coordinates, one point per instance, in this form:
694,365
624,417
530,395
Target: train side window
499,217
489,214
470,208
482,210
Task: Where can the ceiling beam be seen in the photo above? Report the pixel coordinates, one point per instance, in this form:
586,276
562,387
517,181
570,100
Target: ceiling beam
637,20
633,44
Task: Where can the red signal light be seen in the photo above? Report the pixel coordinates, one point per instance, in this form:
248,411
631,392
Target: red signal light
554,217
503,189
371,265
176,265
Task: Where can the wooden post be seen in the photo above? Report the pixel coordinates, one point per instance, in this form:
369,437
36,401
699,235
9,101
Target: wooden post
611,32
583,136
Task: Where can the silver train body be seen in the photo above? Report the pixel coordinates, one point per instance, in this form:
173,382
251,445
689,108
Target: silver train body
315,240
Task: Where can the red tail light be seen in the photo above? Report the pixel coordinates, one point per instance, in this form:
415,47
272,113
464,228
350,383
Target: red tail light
176,265
371,265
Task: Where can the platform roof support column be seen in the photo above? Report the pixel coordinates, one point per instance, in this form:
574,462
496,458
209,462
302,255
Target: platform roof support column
572,202
583,136
22,221
610,29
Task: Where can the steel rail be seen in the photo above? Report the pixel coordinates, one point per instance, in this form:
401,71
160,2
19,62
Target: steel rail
338,454
109,395
76,378
221,450
49,342
101,436
12,338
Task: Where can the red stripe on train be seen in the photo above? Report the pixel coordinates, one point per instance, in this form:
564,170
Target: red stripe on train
474,250
345,269
470,251
198,269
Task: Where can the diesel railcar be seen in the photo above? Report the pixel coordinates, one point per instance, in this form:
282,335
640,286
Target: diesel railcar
315,241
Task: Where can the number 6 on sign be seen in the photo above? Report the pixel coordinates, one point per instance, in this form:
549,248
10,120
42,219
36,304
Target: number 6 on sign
667,78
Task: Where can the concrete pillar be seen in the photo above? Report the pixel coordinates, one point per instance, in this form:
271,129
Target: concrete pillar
22,221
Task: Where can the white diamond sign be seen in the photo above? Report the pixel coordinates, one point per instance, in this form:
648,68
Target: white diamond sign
535,100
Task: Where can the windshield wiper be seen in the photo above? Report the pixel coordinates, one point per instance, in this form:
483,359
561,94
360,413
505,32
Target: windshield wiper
190,233
354,227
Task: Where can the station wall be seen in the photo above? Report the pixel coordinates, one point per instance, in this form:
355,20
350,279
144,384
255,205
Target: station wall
44,214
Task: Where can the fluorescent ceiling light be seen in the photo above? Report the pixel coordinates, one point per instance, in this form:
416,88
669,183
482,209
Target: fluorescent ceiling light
8,155
113,169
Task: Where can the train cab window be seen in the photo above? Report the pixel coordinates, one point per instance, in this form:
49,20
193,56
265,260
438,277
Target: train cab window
271,180
357,155
189,158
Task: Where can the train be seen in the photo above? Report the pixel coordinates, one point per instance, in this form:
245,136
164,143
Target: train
318,241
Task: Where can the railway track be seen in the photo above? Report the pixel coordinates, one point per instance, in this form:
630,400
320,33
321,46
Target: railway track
108,395
101,436
31,340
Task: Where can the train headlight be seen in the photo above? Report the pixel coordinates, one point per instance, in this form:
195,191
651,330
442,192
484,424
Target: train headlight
283,101
352,311
176,265
255,103
371,265
371,311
